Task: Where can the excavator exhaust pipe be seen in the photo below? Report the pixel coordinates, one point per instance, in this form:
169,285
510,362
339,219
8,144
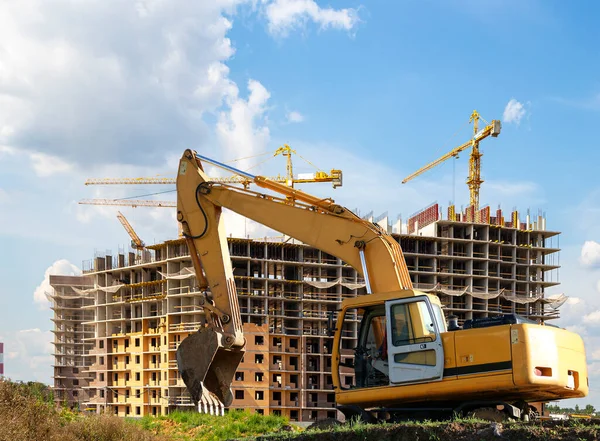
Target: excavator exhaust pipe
207,367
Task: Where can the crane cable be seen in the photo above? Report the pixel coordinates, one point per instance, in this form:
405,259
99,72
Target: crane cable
262,162
144,195
306,160
454,181
258,163
247,157
455,158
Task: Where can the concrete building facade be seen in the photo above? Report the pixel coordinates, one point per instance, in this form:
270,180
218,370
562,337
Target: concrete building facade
141,306
73,338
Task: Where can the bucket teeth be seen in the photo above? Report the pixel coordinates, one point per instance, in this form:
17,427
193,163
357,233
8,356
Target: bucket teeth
210,404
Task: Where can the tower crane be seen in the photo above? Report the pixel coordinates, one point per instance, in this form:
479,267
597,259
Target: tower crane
136,242
132,203
474,180
334,176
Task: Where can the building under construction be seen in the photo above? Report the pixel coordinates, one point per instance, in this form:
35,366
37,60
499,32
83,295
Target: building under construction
118,326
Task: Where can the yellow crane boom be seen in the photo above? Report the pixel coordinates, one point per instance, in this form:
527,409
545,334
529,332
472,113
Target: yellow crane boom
129,203
474,180
334,176
129,181
136,242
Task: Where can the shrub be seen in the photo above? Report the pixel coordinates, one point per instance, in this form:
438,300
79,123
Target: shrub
27,413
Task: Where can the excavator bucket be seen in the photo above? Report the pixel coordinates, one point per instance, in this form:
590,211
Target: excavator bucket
207,368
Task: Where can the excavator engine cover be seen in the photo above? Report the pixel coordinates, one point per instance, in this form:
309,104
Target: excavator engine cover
206,366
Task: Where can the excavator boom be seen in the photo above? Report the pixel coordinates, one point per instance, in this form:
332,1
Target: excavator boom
208,359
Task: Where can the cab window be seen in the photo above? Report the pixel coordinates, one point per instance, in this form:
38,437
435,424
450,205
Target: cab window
411,324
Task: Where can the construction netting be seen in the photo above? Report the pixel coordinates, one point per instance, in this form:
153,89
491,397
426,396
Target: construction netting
84,292
338,281
110,289
554,301
521,299
184,273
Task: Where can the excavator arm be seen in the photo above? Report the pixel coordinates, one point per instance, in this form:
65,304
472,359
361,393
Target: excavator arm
209,358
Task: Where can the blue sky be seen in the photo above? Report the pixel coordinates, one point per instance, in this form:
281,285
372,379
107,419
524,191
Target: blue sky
375,88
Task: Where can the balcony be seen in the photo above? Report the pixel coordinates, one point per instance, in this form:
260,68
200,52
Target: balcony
184,327
321,404
180,401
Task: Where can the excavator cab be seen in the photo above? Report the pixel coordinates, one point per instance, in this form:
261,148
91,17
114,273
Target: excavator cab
399,341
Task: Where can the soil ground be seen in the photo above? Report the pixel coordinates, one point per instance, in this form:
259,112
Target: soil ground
573,430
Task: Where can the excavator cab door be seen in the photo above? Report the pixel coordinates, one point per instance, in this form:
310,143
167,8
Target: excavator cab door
415,351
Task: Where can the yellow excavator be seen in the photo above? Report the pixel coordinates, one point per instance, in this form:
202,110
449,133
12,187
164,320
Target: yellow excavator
407,361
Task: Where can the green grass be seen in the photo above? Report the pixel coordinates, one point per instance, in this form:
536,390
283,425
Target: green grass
28,413
202,427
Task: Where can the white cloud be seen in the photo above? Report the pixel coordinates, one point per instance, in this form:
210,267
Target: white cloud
513,112
4,196
28,354
92,81
578,329
590,103
59,268
237,225
593,318
6,150
47,165
590,254
243,129
75,91
43,164
505,190
295,117
286,15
